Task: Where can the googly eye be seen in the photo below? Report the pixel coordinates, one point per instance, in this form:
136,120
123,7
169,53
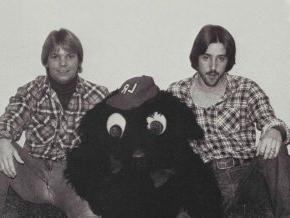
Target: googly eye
156,123
116,124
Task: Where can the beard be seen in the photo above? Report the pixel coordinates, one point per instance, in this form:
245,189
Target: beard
211,78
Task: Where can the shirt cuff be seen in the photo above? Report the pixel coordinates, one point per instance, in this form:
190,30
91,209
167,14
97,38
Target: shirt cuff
5,134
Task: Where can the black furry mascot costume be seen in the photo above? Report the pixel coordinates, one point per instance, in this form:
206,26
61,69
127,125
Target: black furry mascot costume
135,160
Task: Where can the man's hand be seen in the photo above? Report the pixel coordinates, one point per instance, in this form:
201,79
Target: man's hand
269,144
7,153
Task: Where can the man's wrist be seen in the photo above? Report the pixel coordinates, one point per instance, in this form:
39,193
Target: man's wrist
281,130
6,138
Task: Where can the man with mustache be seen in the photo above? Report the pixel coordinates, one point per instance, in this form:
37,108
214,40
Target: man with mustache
49,110
229,108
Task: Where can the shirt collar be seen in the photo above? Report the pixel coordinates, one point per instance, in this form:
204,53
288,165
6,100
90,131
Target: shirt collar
80,88
230,88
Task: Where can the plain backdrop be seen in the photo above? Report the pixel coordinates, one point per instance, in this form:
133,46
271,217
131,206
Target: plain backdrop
127,38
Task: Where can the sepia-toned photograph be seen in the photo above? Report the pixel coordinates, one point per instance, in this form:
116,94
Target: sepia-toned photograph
145,109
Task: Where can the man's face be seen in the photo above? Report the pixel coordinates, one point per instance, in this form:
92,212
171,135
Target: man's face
62,65
212,64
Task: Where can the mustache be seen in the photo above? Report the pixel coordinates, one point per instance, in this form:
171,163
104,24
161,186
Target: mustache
212,72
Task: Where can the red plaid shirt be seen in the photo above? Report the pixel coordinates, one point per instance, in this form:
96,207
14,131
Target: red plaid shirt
49,130
230,124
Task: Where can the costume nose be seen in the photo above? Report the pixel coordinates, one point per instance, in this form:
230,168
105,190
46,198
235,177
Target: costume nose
139,161
138,154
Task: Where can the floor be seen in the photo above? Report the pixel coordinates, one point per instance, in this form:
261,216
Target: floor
16,208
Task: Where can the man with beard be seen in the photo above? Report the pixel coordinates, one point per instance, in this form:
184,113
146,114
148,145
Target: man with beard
48,109
229,108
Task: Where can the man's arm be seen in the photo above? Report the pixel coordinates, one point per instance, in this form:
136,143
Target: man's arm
274,131
12,123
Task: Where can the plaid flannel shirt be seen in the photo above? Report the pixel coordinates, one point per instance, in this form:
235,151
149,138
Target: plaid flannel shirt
49,130
230,124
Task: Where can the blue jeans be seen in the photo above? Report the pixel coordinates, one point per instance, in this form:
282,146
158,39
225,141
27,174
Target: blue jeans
42,181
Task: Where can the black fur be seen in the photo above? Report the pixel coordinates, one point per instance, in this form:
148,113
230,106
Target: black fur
104,171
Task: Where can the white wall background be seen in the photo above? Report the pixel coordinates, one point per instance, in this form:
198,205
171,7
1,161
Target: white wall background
127,38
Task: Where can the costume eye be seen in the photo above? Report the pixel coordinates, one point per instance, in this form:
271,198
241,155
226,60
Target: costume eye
156,123
116,124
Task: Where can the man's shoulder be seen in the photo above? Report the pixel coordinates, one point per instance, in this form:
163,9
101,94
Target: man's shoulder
33,87
88,88
87,83
241,82
37,82
239,79
180,83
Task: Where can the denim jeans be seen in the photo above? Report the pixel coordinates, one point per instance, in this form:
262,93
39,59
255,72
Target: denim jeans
260,188
244,191
42,181
277,175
